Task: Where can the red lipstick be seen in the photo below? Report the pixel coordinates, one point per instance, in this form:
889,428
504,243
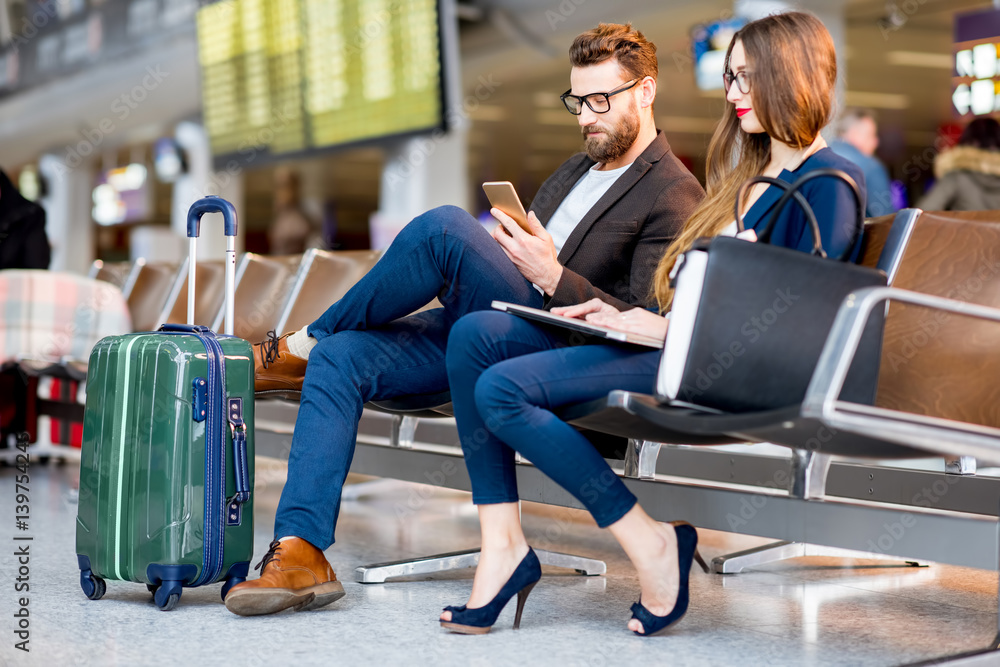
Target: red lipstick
742,112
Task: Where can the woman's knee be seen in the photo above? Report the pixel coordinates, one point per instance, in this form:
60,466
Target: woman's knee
465,334
498,397
474,340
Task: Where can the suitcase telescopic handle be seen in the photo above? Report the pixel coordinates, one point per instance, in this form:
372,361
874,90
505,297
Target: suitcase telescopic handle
213,204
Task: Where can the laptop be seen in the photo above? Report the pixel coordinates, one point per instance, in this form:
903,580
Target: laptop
545,317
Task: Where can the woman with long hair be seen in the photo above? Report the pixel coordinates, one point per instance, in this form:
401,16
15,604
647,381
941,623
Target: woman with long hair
507,375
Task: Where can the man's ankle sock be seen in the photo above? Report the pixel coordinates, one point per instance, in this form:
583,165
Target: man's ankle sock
301,343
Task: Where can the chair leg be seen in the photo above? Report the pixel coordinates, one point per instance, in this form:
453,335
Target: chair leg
404,431
809,470
735,563
640,459
458,560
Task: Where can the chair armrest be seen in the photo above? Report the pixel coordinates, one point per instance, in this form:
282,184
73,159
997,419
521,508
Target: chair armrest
822,400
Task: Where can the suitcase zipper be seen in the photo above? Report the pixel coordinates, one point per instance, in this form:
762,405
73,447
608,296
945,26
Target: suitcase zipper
215,464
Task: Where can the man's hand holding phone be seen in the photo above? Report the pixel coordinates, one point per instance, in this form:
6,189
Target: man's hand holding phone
533,254
531,250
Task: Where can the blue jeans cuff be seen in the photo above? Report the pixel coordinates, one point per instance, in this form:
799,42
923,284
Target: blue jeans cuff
615,513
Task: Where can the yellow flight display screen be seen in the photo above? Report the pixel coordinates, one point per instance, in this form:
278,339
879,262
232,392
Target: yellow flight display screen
285,76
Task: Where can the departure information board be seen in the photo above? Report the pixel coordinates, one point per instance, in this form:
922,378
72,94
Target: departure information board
287,76
976,80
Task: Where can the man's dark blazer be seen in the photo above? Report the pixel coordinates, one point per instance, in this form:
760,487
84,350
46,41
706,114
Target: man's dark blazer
614,251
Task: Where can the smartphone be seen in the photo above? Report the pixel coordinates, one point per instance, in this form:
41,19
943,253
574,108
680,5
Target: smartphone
502,196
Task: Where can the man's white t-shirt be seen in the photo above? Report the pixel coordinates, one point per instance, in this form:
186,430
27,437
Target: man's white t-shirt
587,191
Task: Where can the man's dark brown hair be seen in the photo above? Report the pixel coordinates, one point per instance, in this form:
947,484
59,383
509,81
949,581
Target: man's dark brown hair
634,53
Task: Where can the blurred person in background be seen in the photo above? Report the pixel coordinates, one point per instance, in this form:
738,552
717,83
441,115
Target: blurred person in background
23,244
857,140
291,230
968,174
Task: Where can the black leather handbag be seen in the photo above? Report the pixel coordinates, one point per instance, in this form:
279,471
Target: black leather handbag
749,320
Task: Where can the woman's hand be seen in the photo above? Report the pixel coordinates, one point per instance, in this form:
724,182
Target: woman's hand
580,310
637,321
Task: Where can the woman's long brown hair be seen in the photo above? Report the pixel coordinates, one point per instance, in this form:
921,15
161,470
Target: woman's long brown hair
792,65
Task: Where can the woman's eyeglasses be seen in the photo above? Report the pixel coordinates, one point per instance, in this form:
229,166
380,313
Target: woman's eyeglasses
742,79
598,102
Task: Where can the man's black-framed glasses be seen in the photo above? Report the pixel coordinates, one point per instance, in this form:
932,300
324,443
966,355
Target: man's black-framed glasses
742,79
598,102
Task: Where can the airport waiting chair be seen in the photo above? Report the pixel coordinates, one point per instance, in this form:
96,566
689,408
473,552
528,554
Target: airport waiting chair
148,293
263,284
210,294
916,416
116,273
323,277
935,394
882,247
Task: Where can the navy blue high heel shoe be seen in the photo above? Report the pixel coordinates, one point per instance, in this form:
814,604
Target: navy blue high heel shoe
478,621
687,550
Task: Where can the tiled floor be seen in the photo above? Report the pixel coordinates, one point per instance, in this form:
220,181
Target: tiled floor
801,612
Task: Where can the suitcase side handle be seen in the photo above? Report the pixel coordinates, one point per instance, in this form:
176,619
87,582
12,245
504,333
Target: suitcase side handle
213,204
241,467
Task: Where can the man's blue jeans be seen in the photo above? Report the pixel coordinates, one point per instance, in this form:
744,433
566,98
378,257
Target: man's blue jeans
369,349
507,376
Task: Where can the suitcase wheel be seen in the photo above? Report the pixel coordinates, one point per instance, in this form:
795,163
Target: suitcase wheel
93,586
152,588
167,595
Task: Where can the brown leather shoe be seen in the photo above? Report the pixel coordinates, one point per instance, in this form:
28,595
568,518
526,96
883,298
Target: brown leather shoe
293,574
275,368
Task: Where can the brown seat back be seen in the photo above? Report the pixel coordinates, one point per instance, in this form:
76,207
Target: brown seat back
153,282
262,288
939,364
324,277
873,240
210,292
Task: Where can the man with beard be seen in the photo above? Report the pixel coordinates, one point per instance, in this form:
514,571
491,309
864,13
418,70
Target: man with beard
599,226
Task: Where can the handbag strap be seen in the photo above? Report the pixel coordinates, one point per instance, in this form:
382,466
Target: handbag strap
829,172
765,235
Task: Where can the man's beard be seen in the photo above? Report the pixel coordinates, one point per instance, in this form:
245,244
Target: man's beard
616,140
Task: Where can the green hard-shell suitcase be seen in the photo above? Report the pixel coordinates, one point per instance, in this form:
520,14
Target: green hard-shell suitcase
166,475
